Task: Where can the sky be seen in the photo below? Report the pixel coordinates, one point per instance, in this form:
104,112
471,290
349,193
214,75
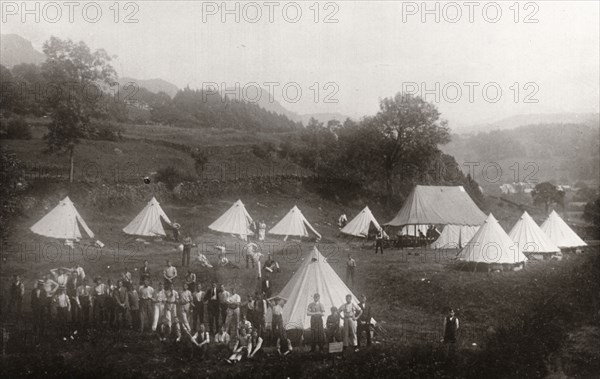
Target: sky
478,63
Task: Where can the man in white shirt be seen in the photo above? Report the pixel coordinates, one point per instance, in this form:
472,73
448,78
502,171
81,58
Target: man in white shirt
198,302
170,318
223,297
146,294
222,338
233,312
277,322
61,276
63,308
350,312
170,273
158,299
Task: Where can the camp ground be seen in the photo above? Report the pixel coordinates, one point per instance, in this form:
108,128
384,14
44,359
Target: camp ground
310,189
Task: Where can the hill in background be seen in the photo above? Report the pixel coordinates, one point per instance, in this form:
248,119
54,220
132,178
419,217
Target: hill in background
15,49
153,85
564,153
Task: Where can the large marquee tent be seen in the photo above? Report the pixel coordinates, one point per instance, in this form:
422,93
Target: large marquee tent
438,205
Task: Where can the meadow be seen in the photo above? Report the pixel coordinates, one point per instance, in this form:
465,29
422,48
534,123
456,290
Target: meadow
533,323
409,290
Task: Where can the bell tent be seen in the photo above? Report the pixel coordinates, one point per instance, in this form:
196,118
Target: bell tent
491,245
236,220
560,233
438,205
530,238
454,236
360,225
314,275
293,224
62,222
148,222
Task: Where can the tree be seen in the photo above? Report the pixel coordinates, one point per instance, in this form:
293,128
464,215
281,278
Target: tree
11,170
591,212
32,85
409,130
546,194
8,91
78,75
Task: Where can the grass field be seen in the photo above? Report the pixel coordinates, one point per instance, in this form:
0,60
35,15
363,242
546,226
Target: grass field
505,317
409,289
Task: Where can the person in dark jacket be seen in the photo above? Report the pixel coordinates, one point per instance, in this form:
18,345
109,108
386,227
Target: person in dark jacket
364,321
38,306
451,326
212,298
17,291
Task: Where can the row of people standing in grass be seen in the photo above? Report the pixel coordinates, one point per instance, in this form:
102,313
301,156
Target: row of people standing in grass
346,323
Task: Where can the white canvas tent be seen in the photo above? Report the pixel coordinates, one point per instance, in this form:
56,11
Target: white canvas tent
148,221
314,275
560,233
530,238
438,205
236,220
293,224
491,245
454,236
62,222
360,225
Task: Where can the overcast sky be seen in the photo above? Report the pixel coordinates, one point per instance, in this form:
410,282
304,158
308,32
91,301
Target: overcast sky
370,53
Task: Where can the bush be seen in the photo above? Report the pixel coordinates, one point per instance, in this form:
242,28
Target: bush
200,158
170,176
17,128
105,131
264,151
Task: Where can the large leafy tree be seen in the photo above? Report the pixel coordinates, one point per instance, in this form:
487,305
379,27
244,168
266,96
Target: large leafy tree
547,194
78,76
409,131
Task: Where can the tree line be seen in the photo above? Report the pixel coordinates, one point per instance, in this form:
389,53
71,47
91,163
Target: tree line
385,154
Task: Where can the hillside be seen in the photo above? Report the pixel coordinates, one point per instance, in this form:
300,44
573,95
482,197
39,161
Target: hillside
516,121
15,49
153,85
563,153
